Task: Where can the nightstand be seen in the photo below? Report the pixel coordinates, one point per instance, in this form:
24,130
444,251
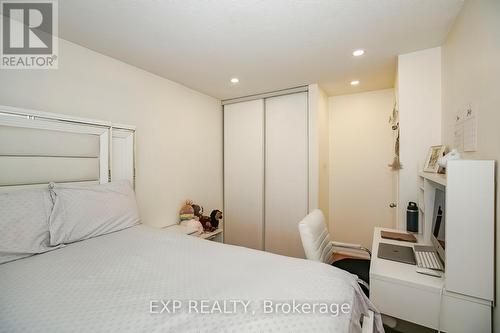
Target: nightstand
216,235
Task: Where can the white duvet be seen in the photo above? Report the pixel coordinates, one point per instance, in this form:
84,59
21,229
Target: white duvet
117,283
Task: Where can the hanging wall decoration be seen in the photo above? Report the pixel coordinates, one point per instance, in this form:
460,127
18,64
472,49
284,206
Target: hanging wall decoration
394,121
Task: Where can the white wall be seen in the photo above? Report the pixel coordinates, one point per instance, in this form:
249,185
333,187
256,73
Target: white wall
319,152
419,103
360,150
471,70
179,131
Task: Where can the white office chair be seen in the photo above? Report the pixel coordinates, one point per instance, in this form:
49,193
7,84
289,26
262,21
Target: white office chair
318,247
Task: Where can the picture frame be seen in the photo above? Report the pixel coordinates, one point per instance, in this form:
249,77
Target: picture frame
431,162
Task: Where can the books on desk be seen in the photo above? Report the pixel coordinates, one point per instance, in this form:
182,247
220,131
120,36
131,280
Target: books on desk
400,236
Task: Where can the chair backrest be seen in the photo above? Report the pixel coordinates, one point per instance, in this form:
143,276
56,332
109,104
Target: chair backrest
315,237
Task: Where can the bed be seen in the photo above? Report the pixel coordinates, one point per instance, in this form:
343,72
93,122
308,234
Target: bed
115,282
97,270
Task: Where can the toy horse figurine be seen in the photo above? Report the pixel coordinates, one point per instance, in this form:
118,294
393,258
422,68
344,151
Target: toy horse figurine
215,216
211,223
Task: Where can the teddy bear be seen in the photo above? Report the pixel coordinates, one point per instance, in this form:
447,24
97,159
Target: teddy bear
187,212
198,211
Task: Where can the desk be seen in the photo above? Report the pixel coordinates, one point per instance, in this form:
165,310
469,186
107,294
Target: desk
397,290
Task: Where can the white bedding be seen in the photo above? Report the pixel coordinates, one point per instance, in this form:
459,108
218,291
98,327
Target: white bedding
106,284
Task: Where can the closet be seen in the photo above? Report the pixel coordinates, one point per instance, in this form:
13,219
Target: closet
266,172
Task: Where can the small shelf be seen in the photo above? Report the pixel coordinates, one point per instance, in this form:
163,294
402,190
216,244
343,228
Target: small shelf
211,234
438,178
216,235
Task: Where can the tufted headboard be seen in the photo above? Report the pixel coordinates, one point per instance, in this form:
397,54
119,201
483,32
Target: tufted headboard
39,147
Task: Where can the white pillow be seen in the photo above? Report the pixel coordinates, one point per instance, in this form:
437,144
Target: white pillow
82,212
24,223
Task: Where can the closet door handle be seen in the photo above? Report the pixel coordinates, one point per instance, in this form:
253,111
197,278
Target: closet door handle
393,205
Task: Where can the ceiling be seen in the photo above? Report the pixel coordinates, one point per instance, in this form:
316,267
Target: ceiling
267,44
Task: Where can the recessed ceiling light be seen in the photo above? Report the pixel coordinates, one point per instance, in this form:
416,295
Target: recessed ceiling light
358,53
235,80
354,83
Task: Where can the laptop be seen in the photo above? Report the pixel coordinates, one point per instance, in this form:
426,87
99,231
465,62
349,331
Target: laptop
398,253
427,257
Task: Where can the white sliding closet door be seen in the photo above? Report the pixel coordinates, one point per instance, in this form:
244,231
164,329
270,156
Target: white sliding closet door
286,173
244,173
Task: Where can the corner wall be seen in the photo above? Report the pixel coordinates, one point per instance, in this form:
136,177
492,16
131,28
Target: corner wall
471,70
179,131
419,104
319,151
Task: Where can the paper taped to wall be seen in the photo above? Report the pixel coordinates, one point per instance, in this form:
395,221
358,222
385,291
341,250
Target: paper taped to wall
465,132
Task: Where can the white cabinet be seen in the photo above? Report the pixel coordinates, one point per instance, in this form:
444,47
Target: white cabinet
266,172
461,300
470,231
469,236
